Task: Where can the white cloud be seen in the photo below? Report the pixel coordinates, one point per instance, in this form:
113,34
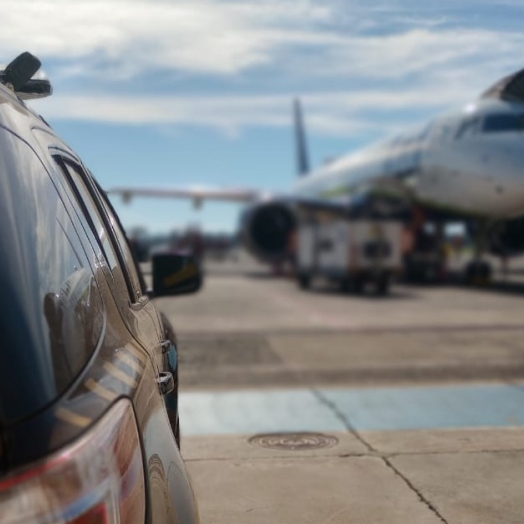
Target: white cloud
335,113
416,55
225,37
352,77
192,35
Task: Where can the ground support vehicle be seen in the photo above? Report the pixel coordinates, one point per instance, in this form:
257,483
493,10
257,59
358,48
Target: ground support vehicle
88,368
356,253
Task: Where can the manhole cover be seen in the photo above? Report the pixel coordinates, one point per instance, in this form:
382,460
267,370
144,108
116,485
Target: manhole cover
294,441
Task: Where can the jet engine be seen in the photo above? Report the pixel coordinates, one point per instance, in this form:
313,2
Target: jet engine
266,230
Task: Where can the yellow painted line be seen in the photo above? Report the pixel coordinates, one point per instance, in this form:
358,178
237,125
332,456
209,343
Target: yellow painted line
120,375
100,390
129,361
72,418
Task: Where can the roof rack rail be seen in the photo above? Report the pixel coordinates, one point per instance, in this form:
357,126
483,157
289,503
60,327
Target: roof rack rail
18,74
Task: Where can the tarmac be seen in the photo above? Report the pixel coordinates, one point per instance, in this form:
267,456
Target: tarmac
319,407
466,476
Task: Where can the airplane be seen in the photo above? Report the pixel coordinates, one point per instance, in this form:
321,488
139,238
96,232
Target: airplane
467,166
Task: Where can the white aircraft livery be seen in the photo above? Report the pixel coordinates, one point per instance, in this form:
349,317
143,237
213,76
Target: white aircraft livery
467,166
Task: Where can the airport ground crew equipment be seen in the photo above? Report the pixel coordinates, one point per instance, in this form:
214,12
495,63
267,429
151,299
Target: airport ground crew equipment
357,254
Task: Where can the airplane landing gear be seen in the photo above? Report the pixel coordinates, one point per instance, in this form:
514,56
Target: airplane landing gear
426,261
382,285
304,281
478,272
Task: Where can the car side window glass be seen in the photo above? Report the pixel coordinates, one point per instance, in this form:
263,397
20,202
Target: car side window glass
55,307
96,220
124,247
72,303
108,236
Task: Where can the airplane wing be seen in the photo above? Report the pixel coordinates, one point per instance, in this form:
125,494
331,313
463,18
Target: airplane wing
195,193
198,194
241,195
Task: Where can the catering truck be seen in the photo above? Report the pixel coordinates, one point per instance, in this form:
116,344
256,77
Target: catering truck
358,254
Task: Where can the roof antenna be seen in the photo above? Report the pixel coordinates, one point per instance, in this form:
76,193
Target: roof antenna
20,70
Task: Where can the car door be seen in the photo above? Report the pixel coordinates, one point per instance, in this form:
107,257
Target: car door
123,276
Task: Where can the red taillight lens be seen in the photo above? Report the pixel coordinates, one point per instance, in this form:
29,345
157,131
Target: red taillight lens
99,479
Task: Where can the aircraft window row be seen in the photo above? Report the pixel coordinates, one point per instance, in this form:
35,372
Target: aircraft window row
467,128
503,123
443,130
407,140
426,131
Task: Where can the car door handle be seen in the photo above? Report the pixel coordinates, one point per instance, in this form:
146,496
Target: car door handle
166,382
166,346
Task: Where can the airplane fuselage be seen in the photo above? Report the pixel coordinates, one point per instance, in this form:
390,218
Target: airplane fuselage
470,163
466,167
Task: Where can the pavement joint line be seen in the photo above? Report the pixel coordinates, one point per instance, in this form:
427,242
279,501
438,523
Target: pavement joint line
371,454
372,330
360,377
303,382
395,454
331,405
287,456
413,488
347,424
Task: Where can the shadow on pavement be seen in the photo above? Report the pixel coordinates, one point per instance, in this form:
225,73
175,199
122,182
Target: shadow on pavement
501,285
394,294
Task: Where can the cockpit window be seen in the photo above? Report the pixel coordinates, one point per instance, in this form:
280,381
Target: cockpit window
503,123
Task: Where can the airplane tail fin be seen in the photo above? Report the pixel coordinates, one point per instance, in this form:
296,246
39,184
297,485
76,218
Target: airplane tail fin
300,140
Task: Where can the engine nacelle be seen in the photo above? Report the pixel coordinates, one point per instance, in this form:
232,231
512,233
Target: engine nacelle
266,231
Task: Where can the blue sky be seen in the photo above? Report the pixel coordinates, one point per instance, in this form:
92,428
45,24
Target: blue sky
174,93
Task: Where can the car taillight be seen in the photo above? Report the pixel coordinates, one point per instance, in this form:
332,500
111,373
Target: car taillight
99,479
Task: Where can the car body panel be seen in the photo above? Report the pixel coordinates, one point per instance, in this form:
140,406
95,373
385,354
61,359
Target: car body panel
110,340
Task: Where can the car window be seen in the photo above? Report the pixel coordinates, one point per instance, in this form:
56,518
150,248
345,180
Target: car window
72,303
107,235
51,305
123,245
86,201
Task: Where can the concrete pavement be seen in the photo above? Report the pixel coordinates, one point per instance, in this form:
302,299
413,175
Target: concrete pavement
455,477
260,304
365,357
383,377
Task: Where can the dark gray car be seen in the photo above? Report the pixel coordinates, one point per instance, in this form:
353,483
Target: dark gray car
89,428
